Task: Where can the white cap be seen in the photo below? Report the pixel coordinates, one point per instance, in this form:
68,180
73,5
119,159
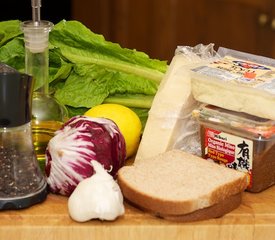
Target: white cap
36,35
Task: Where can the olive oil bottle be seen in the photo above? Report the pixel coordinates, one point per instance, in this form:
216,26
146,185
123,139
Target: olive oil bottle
47,114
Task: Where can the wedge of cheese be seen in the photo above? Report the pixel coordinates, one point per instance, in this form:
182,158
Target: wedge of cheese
170,111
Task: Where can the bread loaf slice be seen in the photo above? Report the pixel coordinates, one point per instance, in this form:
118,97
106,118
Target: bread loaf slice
180,186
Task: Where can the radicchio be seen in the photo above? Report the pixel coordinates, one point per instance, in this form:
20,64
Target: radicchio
79,141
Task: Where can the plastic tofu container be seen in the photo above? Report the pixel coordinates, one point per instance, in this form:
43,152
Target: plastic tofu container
236,81
240,141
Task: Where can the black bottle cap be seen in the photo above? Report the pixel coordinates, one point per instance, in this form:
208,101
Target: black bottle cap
15,97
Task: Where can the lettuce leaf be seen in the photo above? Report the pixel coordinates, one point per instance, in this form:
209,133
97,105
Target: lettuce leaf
93,84
9,30
80,45
13,53
102,69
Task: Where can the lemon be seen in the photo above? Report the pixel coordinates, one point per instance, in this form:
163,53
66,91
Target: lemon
126,119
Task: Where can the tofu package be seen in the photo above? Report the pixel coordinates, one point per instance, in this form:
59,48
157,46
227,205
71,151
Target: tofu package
237,81
170,124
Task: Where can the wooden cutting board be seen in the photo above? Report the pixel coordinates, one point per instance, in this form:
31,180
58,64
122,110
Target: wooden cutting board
254,219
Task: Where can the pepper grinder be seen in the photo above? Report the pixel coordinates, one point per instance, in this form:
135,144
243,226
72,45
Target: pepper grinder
22,183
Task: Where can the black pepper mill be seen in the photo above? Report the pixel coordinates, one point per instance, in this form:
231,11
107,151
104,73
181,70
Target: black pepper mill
22,183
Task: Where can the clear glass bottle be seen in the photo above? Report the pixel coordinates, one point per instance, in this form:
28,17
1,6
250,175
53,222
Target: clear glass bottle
47,114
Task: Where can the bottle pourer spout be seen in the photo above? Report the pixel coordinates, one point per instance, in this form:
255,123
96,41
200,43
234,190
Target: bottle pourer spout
36,5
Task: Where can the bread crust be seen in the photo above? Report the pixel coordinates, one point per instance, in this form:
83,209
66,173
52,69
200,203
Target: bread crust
215,211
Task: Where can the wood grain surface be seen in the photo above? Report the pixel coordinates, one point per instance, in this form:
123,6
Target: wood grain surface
254,219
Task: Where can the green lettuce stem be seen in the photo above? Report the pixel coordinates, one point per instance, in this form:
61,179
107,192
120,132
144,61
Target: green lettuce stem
119,66
131,101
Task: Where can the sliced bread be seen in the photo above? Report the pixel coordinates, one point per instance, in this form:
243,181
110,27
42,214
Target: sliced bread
180,186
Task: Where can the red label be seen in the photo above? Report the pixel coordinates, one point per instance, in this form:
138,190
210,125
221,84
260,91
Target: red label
230,150
218,149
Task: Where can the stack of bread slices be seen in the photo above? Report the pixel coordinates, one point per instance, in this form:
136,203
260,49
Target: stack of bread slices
176,185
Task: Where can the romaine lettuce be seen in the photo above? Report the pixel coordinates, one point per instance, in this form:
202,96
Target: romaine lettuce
85,70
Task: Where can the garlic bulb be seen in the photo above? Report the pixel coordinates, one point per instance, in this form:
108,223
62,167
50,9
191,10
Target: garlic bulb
96,197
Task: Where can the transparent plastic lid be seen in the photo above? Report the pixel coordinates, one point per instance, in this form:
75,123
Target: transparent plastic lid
237,120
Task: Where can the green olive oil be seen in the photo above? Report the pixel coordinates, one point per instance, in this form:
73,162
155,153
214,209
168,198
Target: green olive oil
42,132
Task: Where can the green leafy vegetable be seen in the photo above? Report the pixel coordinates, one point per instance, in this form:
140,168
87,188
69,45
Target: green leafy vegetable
79,45
86,70
9,30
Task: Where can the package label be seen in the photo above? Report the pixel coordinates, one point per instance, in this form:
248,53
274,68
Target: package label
230,150
241,72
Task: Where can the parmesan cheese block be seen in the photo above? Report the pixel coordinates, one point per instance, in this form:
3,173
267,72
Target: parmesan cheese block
237,84
171,108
